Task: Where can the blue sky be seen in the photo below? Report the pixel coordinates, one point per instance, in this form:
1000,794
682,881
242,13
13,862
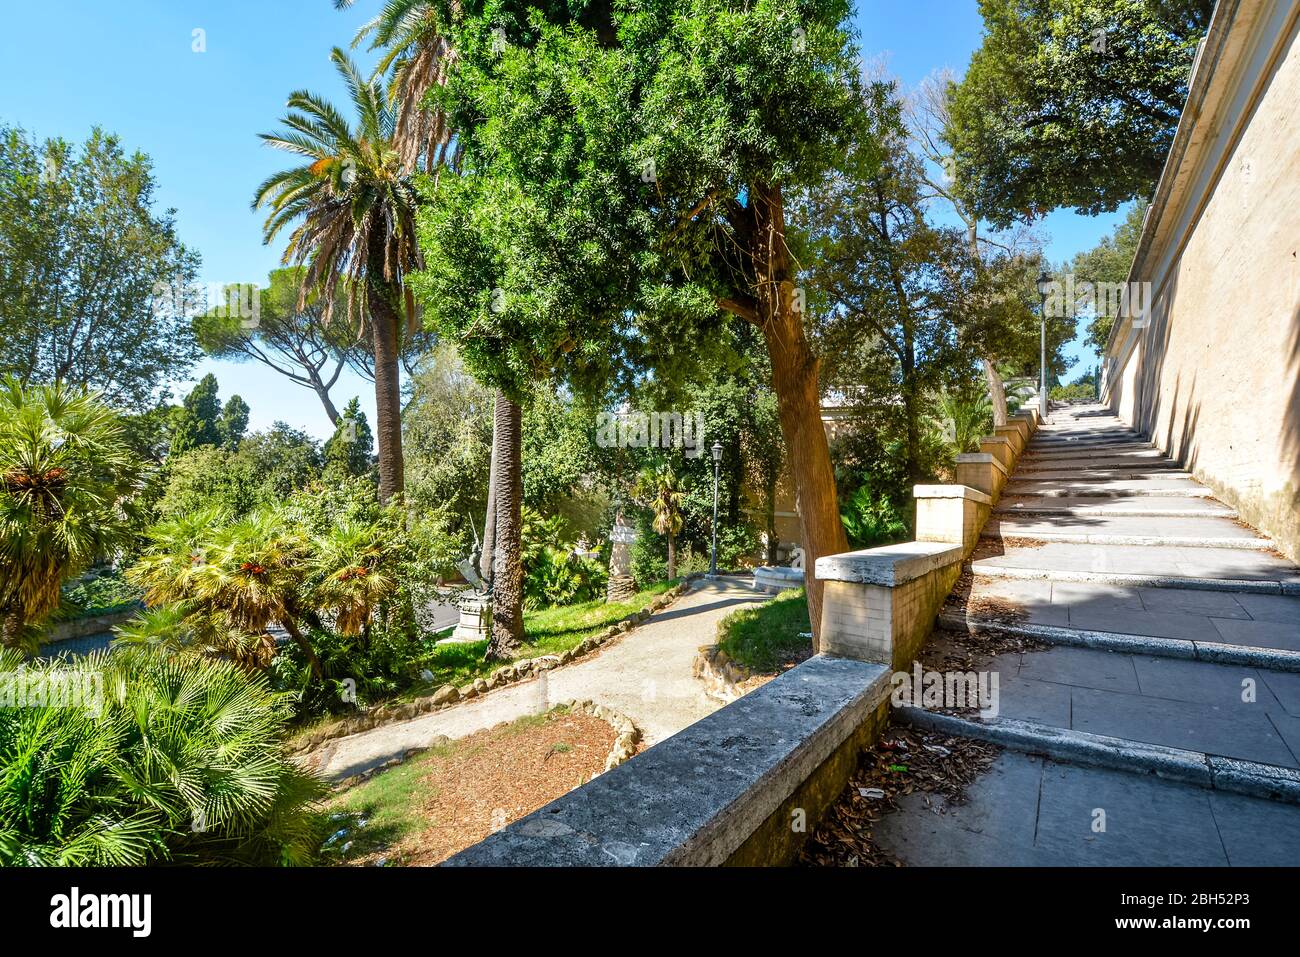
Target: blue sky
130,67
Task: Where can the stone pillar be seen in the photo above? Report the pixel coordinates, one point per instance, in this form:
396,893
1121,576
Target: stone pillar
951,513
879,604
982,472
1001,449
1017,432
621,585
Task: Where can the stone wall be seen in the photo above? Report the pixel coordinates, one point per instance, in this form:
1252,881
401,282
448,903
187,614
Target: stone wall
1214,375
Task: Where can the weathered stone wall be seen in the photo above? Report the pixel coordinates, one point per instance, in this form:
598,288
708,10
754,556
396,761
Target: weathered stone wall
1214,377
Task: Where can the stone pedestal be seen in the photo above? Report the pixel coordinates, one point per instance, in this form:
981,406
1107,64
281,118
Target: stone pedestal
621,585
475,619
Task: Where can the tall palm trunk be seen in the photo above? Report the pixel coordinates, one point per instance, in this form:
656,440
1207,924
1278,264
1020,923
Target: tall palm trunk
507,568
798,393
672,556
490,520
388,389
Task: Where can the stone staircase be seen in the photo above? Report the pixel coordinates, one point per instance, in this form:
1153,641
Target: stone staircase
1161,651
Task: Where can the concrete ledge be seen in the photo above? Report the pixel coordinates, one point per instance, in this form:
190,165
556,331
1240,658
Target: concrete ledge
697,798
980,458
890,565
777,578
951,491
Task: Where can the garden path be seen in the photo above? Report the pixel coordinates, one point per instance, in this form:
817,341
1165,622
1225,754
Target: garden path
645,675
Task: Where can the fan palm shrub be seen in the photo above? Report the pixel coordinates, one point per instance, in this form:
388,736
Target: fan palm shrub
68,478
165,758
353,567
230,580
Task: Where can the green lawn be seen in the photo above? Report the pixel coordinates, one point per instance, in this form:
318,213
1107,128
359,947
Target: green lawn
547,632
765,637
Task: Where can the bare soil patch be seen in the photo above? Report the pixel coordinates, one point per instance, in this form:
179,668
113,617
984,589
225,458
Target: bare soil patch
452,796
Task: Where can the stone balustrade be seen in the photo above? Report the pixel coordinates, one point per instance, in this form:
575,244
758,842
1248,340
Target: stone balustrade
746,784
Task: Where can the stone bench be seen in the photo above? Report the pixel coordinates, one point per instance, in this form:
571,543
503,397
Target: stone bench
773,579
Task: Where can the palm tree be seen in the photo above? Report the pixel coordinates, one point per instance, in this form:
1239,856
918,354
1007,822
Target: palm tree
67,480
351,565
416,58
661,489
232,579
354,205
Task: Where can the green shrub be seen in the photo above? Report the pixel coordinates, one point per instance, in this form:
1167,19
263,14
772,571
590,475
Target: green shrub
1074,391
97,594
178,758
871,519
553,575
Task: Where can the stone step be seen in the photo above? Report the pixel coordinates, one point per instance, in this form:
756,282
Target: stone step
1156,462
1190,532
1132,506
1057,446
1231,711
1149,566
1218,652
1037,457
1030,811
1250,778
1099,475
1134,488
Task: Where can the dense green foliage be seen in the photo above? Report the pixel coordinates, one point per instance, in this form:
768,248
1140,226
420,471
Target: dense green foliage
1109,262
1071,102
136,759
95,285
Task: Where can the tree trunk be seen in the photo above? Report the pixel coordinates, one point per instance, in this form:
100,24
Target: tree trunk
490,519
388,392
323,393
291,626
507,569
997,393
672,556
798,393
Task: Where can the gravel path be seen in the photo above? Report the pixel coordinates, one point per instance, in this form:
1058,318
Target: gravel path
645,675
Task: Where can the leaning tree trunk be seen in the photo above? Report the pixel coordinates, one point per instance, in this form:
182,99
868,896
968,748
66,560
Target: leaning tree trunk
313,660
798,394
507,569
490,519
997,393
388,392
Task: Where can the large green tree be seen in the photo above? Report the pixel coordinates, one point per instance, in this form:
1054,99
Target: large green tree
1072,102
95,285
1109,262
625,176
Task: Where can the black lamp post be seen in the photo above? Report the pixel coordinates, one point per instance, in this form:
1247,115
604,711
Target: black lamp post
1044,285
713,558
